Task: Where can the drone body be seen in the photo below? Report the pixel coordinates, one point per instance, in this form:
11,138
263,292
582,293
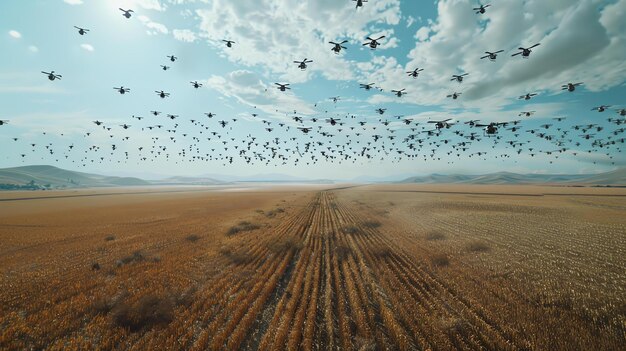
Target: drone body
415,73
525,52
458,78
282,87
81,31
303,64
373,43
52,76
229,43
571,87
122,90
127,13
359,3
492,55
338,46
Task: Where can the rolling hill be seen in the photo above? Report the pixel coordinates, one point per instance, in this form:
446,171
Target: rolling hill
52,177
615,178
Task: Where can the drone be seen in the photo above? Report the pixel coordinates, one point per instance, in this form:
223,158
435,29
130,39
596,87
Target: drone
302,64
305,130
527,96
525,52
122,90
98,123
454,96
381,110
491,128
571,87
492,55
196,84
165,68
172,117
526,113
52,76
125,126
126,12
229,43
458,78
333,121
338,46
601,108
81,31
335,98
282,87
482,9
373,43
223,123
156,113
209,114
442,124
367,86
415,73
622,112
359,3
172,58
3,122
162,94
399,93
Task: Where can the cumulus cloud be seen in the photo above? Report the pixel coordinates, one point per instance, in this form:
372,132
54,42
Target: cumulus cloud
185,35
73,2
87,47
153,27
33,48
15,34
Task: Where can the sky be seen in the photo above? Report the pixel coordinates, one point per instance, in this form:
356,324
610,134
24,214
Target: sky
581,41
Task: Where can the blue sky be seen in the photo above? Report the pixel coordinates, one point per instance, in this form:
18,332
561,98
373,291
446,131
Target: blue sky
581,41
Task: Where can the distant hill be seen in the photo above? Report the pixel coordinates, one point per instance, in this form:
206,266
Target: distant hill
53,177
616,178
188,181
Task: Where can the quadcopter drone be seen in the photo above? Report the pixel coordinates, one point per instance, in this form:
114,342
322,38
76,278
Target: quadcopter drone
122,90
126,12
52,76
571,87
458,78
525,52
196,84
338,46
454,96
399,93
601,108
81,31
125,126
359,3
165,68
302,64
381,110
482,9
335,98
492,55
415,73
526,113
305,130
442,124
162,94
172,58
156,113
3,122
373,43
527,96
491,128
229,43
282,87
367,86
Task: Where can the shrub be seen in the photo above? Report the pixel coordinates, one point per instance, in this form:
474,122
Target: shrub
95,266
351,229
243,226
371,224
435,235
478,246
149,311
137,256
342,252
109,238
285,245
192,238
440,260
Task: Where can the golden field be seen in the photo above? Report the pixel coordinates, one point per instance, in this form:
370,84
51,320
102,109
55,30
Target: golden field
397,267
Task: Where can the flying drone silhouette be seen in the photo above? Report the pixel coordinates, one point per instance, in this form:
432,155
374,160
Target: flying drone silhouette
458,78
305,130
156,113
399,93
492,55
196,84
162,94
302,64
165,68
601,108
527,96
338,46
526,113
283,87
491,128
127,13
229,43
381,110
525,52
81,31
571,87
415,73
3,122
367,86
52,76
172,58
122,90
359,3
481,9
373,43
335,98
442,124
454,96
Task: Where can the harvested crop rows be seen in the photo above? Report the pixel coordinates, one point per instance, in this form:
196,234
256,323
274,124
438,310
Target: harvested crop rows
325,274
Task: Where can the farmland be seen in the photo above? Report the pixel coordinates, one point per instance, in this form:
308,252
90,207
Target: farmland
369,267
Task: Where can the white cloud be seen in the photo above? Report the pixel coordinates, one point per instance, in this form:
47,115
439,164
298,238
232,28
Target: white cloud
153,27
184,35
33,48
273,33
15,34
73,2
151,5
87,47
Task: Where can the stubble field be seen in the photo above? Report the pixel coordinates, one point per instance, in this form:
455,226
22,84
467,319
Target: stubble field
401,267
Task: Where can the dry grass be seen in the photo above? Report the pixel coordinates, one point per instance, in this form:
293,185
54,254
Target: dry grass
434,235
478,246
243,226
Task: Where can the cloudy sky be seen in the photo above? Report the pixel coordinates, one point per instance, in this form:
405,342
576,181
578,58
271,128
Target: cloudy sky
581,41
